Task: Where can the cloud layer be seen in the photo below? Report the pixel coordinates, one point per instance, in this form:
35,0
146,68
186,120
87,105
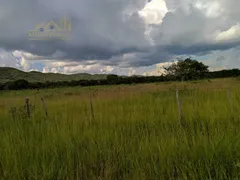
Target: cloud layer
118,34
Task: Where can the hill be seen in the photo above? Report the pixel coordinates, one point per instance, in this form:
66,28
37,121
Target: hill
10,74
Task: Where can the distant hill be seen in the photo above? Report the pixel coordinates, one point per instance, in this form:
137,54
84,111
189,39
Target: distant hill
10,74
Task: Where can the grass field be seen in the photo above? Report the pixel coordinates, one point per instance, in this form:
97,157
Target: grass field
135,134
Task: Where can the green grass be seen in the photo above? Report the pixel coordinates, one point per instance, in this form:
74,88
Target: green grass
136,133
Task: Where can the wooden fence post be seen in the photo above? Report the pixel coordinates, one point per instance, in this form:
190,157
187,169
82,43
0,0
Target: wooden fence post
91,106
44,106
230,102
13,112
27,107
179,106
34,103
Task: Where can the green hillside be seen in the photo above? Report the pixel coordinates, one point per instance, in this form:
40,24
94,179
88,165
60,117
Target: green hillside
11,74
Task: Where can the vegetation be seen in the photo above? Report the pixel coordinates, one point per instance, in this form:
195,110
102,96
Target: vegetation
183,70
111,80
11,74
187,69
135,134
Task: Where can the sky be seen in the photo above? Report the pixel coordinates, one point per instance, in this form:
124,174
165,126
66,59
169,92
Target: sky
124,37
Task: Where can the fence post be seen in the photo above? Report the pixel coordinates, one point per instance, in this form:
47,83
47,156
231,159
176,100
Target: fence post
27,107
13,112
230,102
34,103
179,106
91,106
44,106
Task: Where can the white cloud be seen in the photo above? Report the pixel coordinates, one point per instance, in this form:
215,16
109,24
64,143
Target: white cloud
154,11
232,33
212,8
158,70
75,67
131,72
107,69
7,59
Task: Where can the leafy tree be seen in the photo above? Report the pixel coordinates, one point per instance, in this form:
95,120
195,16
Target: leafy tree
112,78
17,85
187,69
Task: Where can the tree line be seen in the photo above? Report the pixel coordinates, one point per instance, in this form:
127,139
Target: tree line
183,70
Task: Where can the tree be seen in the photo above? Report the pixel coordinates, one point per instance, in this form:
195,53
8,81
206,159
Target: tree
187,69
18,84
112,78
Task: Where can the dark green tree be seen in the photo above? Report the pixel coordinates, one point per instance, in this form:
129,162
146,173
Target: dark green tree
112,78
187,69
19,84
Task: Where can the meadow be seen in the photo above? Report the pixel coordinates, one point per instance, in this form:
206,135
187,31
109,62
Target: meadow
135,134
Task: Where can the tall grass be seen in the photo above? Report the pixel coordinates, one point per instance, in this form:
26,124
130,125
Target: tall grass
132,136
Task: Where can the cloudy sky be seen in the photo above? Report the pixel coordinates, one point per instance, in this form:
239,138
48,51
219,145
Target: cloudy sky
120,36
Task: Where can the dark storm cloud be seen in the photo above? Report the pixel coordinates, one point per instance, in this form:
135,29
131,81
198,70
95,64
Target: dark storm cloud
98,27
106,29
199,48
